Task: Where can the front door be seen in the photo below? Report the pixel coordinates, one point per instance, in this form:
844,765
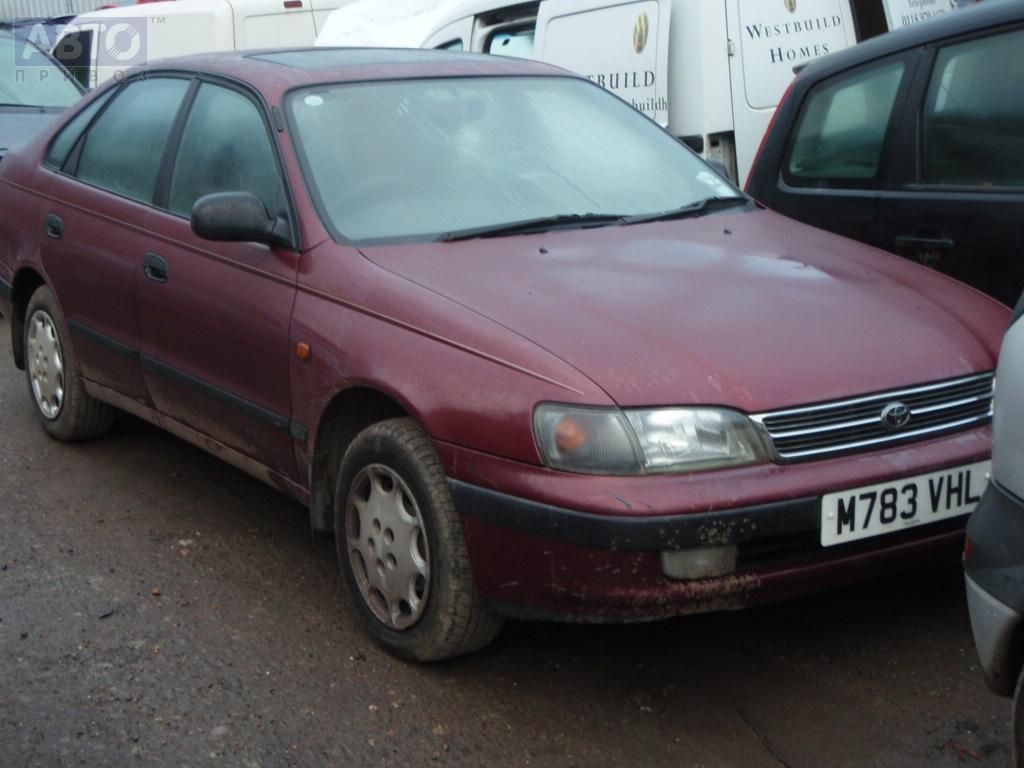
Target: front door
215,316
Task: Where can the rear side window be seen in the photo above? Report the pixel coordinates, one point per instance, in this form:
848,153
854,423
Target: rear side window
123,150
68,137
841,131
225,148
973,128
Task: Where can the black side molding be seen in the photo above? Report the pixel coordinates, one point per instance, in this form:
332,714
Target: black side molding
731,526
297,431
257,412
103,340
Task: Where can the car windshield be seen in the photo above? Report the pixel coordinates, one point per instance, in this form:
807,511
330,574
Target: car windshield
28,78
426,159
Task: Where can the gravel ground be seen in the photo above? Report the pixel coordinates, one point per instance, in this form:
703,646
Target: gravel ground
158,607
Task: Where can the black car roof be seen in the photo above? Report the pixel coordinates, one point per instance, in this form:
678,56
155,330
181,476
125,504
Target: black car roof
973,18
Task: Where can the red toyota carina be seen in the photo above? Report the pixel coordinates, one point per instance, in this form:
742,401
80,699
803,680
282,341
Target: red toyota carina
518,348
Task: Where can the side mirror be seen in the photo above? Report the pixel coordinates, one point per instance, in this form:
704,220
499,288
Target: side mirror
239,217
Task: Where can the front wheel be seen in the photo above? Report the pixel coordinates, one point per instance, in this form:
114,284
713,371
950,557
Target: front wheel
401,549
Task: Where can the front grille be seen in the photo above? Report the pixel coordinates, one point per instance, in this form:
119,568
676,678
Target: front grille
856,424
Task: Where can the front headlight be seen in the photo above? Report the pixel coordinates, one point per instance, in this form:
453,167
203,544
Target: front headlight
610,441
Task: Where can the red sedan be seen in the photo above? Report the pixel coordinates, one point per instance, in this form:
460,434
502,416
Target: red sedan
521,350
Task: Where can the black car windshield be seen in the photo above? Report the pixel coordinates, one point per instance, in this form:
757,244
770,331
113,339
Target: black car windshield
427,159
29,78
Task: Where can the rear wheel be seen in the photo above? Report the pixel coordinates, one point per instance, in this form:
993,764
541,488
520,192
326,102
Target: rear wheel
401,549
67,412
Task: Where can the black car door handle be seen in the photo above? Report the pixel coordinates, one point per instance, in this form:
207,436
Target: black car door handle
912,243
155,268
54,226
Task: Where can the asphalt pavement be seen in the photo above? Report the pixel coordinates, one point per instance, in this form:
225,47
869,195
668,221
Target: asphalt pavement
159,608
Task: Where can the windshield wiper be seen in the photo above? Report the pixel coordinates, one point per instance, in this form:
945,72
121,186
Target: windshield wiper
697,209
528,226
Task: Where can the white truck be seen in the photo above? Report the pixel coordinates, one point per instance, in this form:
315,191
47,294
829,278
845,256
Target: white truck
711,71
99,45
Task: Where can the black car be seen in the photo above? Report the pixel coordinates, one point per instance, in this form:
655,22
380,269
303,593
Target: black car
913,141
34,88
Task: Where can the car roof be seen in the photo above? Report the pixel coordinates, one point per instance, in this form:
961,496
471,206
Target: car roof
972,18
278,70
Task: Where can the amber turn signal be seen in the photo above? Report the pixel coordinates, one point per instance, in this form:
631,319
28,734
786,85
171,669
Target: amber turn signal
570,435
303,351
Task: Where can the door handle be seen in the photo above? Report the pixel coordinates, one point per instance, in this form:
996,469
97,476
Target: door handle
912,243
54,226
155,268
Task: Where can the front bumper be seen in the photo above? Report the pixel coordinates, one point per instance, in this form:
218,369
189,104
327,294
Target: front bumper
994,574
549,559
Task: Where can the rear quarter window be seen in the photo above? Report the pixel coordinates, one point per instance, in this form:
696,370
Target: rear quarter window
841,131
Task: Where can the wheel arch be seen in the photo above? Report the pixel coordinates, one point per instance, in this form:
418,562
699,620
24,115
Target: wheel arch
348,413
26,281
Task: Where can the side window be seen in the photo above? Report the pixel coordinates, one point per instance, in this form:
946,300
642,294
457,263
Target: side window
69,134
517,42
973,127
841,131
74,51
452,45
225,148
124,147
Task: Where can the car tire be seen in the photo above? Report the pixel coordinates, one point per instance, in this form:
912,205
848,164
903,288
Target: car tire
66,411
401,549
1018,723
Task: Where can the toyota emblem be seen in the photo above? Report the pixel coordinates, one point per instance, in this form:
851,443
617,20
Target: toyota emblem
895,416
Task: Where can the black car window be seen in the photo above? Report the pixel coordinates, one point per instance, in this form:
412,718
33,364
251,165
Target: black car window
124,147
841,130
68,136
225,148
973,127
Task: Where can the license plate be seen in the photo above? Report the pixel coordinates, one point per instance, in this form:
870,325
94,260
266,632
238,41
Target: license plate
894,506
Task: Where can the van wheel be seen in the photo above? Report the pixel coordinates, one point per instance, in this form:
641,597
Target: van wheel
401,549
67,412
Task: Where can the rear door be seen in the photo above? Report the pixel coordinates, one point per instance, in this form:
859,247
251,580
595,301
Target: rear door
94,219
958,189
621,46
767,39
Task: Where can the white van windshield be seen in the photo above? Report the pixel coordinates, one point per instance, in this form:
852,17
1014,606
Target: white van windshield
416,160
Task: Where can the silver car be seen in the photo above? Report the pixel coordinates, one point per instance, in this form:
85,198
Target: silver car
994,551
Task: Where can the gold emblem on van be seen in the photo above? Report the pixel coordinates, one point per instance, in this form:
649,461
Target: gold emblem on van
791,6
640,32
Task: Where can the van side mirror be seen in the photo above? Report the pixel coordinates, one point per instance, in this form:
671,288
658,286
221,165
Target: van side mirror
239,217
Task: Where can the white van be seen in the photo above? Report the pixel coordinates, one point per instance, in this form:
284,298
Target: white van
99,45
711,71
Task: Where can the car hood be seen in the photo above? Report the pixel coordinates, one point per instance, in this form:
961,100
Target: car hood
749,310
18,126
